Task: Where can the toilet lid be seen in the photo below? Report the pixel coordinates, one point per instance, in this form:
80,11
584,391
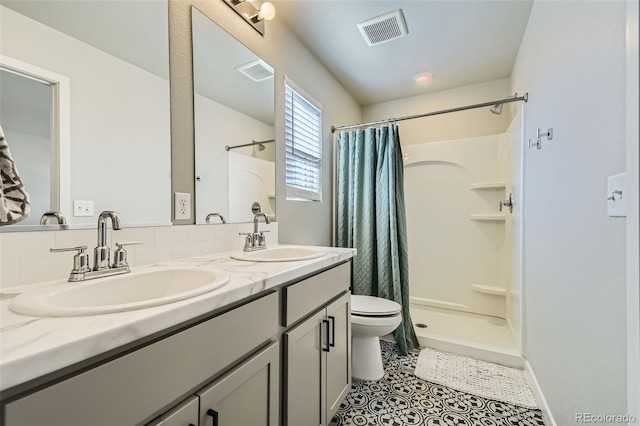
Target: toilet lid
373,306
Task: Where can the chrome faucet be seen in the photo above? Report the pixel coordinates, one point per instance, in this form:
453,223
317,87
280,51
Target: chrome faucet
210,215
101,268
255,221
58,216
101,252
255,240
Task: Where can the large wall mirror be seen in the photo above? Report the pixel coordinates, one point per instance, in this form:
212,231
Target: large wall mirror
84,98
234,126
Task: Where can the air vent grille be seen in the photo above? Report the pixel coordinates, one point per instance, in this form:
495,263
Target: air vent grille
257,70
383,28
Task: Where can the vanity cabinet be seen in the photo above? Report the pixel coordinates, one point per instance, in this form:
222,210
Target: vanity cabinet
282,358
130,388
317,354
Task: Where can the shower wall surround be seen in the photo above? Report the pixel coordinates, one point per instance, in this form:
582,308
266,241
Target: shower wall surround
458,258
25,257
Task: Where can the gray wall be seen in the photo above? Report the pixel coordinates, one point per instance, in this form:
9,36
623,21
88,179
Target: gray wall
572,63
299,222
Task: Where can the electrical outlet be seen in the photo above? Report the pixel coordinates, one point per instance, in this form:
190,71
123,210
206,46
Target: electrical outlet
182,206
82,208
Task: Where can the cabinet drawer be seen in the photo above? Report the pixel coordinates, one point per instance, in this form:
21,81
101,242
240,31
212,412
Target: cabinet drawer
129,389
305,296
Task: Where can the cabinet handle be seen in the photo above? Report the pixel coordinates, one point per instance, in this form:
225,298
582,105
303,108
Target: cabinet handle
328,347
333,332
214,416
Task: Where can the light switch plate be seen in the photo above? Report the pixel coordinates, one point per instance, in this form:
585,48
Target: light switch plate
82,208
617,195
182,206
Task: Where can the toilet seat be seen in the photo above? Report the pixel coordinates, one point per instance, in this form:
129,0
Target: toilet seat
371,306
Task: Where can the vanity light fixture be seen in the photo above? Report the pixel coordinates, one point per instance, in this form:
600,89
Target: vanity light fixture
253,15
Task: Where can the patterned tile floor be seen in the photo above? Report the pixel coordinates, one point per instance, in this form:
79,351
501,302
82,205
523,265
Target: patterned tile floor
402,399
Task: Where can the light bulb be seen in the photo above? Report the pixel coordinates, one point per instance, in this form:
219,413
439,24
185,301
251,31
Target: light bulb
267,11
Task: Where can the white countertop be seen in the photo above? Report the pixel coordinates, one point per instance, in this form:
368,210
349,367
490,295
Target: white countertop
31,347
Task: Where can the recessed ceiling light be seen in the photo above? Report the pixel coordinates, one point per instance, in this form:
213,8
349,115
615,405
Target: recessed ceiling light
423,77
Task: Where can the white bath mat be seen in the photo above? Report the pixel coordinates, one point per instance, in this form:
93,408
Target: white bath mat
476,377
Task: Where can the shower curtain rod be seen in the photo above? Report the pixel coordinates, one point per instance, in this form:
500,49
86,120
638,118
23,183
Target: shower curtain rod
249,144
444,111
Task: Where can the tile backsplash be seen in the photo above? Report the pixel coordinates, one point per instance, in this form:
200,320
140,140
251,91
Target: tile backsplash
25,256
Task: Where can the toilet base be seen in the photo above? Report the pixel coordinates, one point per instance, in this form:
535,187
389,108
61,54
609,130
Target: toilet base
367,358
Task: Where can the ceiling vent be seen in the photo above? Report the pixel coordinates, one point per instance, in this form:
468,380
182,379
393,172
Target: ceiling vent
257,70
383,28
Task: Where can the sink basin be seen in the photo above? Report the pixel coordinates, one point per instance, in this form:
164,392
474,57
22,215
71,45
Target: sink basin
278,254
136,290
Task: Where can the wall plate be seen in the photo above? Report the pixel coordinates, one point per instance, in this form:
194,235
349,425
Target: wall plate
182,208
82,208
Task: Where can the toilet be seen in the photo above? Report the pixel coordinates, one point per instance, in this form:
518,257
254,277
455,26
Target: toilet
371,318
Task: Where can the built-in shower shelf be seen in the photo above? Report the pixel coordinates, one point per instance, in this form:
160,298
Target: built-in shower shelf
488,185
489,289
496,217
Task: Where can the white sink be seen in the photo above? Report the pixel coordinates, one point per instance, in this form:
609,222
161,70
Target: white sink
278,254
135,290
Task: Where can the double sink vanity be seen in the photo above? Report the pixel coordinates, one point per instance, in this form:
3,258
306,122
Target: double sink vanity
242,338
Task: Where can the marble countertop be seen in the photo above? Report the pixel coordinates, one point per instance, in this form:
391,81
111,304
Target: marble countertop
31,347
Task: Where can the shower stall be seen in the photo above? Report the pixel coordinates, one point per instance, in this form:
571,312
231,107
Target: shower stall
464,202
463,205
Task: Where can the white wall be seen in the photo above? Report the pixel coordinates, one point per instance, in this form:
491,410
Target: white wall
464,124
120,135
215,127
633,226
572,63
281,49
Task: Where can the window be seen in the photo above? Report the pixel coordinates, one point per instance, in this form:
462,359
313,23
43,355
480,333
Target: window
303,142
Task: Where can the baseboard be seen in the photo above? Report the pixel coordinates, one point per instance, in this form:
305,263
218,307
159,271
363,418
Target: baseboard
537,393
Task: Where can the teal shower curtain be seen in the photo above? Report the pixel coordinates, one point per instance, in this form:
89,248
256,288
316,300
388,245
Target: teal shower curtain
371,218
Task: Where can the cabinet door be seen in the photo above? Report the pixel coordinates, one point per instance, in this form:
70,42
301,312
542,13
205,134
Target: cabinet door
186,414
248,395
339,355
305,365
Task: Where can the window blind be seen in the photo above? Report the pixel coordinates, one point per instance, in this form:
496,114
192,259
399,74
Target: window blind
303,142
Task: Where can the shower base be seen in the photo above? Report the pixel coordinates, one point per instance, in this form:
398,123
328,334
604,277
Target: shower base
478,336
